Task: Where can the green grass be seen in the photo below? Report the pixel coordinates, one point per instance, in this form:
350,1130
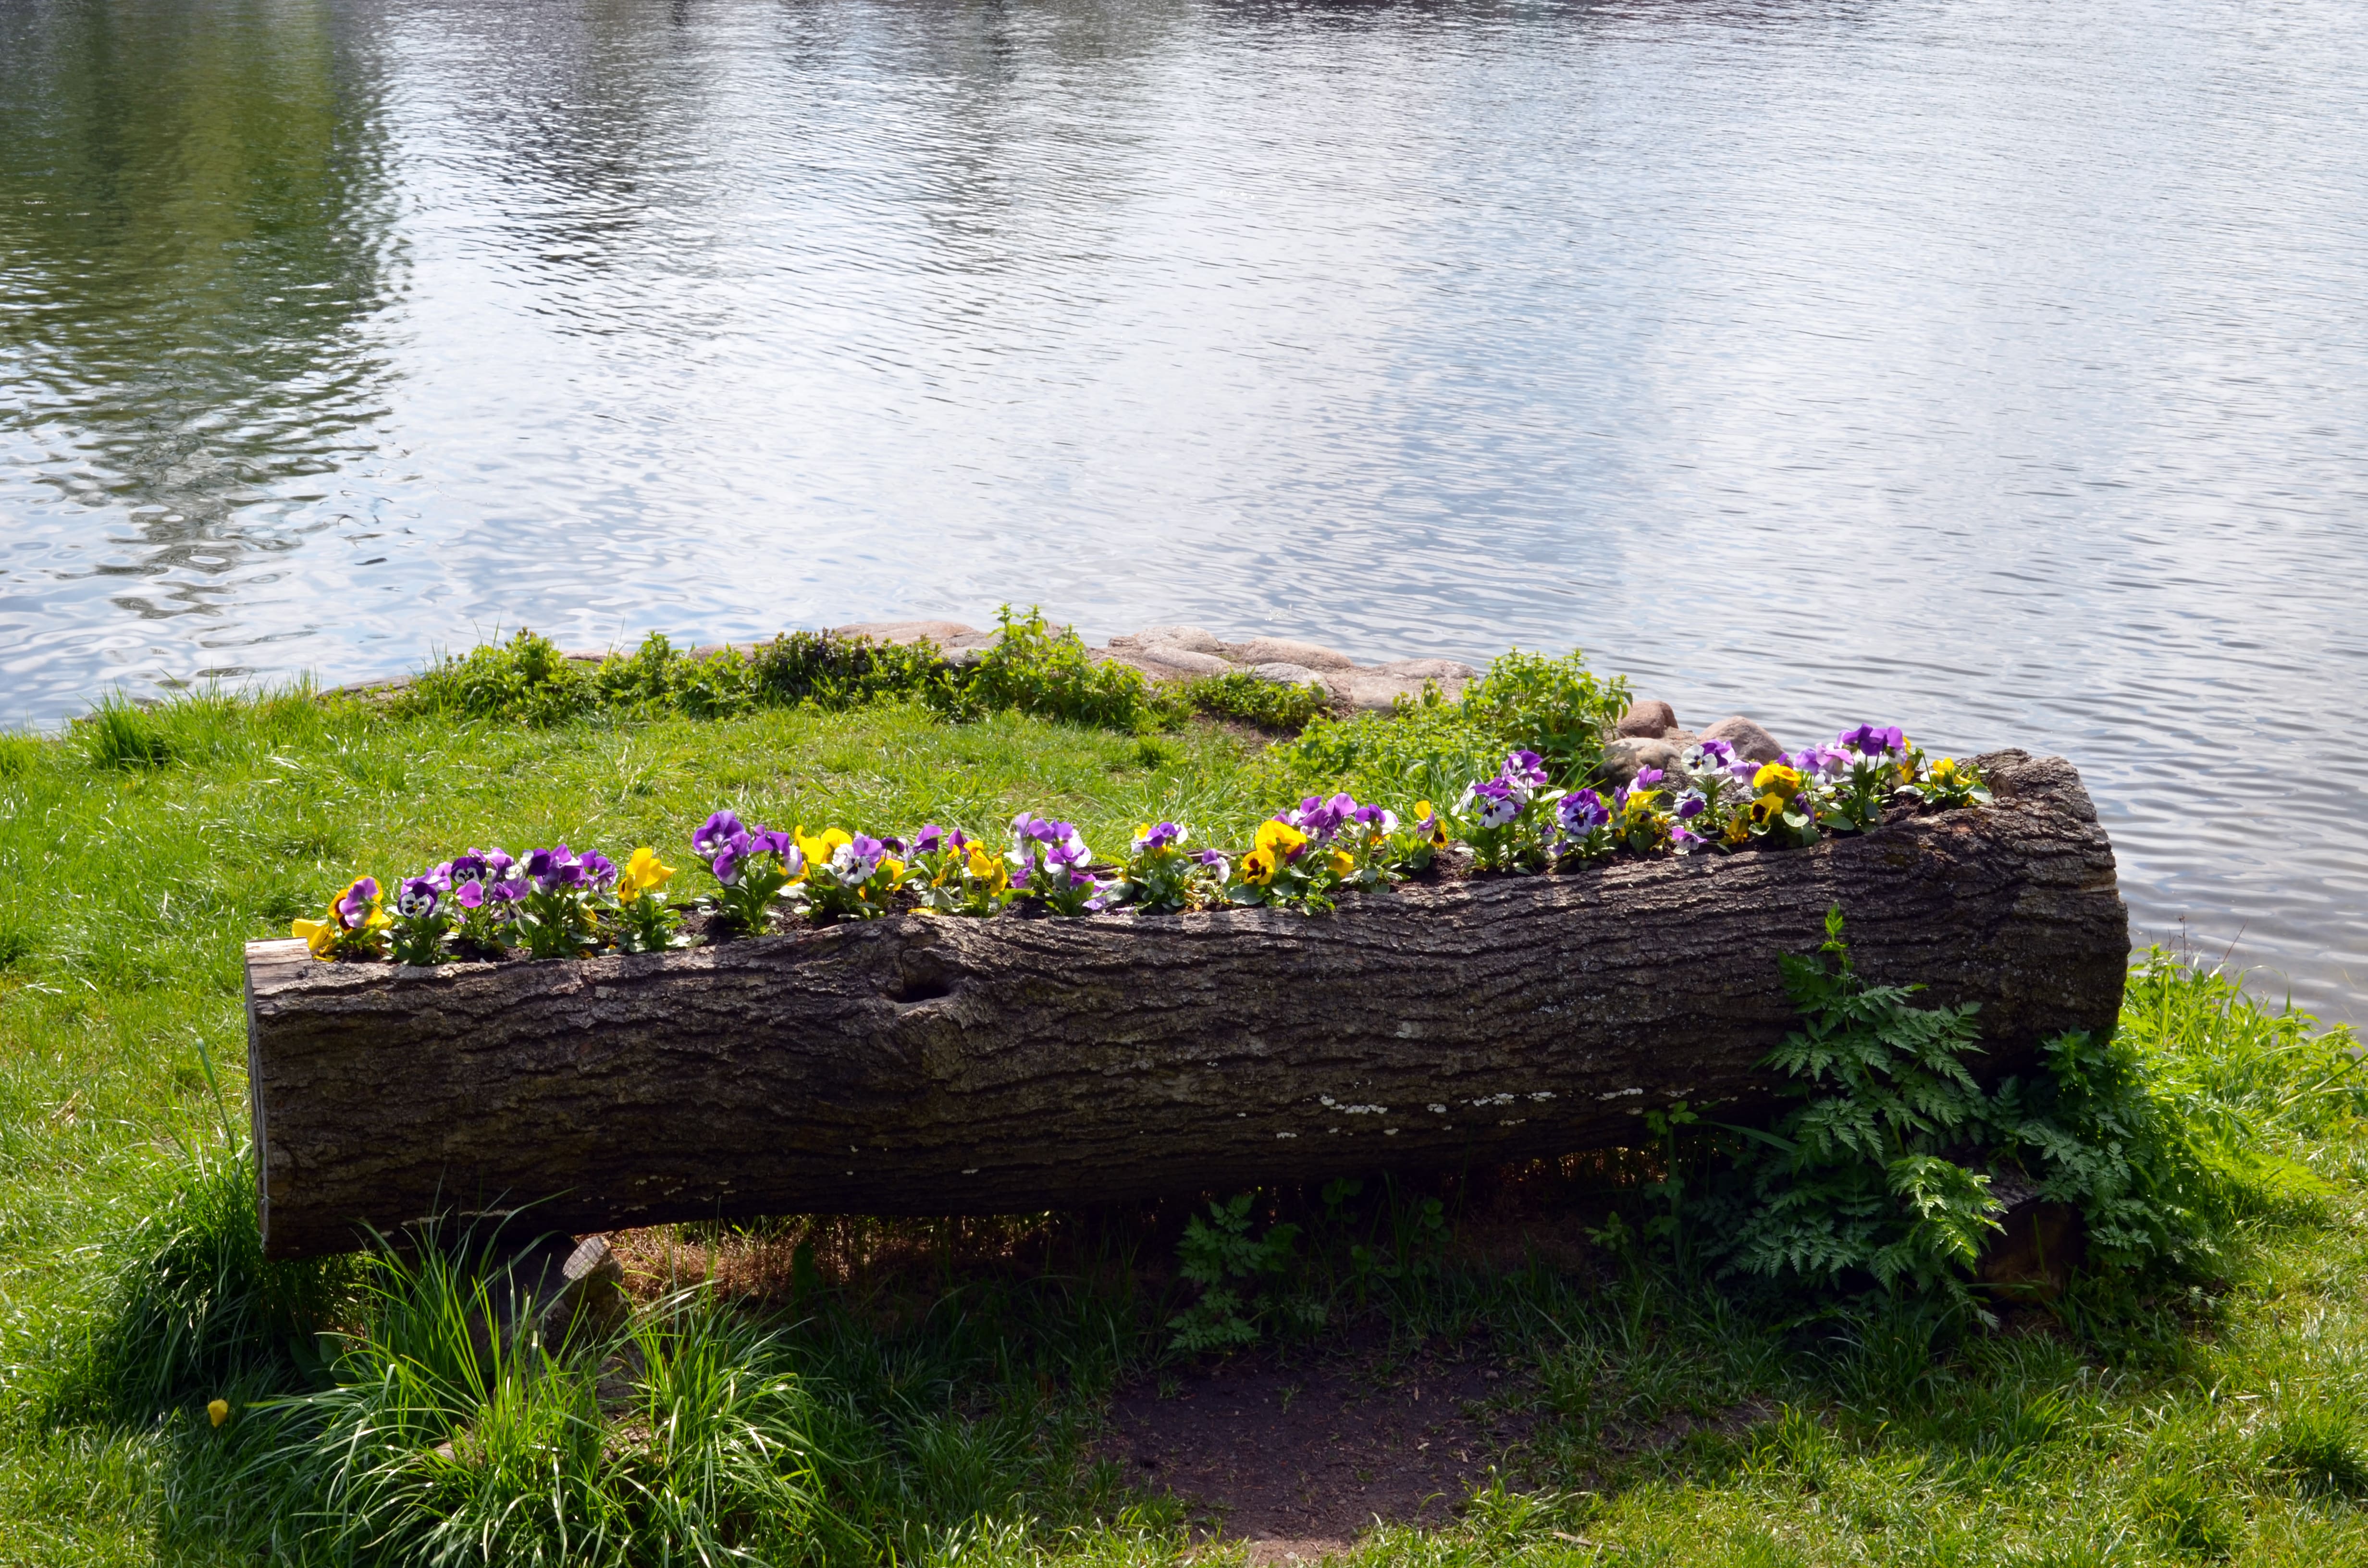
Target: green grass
863,1391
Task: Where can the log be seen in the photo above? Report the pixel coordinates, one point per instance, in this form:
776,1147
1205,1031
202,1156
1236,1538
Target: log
926,1065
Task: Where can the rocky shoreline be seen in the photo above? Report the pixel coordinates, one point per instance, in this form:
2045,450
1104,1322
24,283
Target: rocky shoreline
1164,653
1649,734
1191,652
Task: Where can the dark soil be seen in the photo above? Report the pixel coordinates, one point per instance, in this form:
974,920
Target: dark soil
1299,1459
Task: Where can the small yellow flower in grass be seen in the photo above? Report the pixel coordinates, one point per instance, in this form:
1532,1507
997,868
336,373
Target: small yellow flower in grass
644,873
1776,779
1280,839
218,1411
1258,867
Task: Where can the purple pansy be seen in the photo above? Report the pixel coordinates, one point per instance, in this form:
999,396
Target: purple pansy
472,895
1581,812
1870,741
1524,770
854,861
715,833
355,906
554,867
1689,806
417,898
1162,836
1497,803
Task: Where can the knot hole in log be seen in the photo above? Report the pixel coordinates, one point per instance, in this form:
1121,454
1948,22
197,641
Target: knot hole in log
922,974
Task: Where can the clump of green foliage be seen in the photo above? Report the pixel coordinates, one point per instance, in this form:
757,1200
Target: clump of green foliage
1231,1268
1430,748
1881,1171
120,735
1853,1177
527,680
1034,668
1252,700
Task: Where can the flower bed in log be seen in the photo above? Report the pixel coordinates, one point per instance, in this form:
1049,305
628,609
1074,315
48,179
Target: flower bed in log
1520,974
558,903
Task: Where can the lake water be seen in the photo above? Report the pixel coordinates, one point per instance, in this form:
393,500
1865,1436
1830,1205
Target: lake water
1994,368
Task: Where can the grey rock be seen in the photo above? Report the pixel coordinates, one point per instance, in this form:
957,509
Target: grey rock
1162,663
942,633
1283,651
1625,757
1287,673
547,1289
1377,690
1191,638
1423,669
1749,741
1648,719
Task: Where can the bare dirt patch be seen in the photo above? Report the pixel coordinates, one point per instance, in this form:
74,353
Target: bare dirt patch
1299,1459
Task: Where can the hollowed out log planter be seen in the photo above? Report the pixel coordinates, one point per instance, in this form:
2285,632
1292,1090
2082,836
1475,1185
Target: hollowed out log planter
920,1066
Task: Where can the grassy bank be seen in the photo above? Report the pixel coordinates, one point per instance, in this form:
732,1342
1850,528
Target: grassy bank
846,1391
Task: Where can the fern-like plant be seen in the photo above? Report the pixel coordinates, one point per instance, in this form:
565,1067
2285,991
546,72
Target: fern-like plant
1852,1179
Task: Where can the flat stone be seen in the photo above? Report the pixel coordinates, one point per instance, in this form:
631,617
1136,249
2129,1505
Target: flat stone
1627,755
1191,638
1376,691
1647,718
1423,669
942,633
1287,673
1162,663
547,1289
1283,651
1749,741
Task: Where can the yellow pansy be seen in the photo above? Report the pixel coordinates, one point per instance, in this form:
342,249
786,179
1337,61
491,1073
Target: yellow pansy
1943,771
1280,839
986,865
1258,867
1766,809
891,871
816,849
1777,780
644,872
1428,824
1343,862
318,935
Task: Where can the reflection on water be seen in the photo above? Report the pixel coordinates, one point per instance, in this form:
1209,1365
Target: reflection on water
1990,367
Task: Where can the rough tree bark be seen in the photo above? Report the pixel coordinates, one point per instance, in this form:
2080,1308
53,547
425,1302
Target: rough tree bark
922,1066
